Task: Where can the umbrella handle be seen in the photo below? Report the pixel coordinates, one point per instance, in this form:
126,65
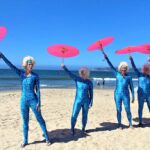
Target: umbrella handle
101,47
149,58
62,61
129,55
102,50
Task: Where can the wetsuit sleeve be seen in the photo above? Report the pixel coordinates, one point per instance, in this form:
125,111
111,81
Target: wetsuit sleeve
73,76
111,65
37,85
91,94
131,87
18,71
135,68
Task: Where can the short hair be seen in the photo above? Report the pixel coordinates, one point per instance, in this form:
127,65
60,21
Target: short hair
26,59
147,66
122,64
84,69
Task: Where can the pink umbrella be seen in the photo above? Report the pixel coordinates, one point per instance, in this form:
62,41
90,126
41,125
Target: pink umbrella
128,50
63,51
145,48
98,45
3,31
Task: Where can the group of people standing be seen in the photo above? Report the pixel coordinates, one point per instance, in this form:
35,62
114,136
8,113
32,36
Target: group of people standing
124,82
30,97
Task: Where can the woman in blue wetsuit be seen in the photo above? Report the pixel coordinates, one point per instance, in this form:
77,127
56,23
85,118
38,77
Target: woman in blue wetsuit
143,88
121,94
83,98
30,97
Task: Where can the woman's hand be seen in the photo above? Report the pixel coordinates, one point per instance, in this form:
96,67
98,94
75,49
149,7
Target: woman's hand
105,56
130,57
90,105
38,108
62,65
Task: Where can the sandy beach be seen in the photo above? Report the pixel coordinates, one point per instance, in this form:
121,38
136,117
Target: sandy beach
102,133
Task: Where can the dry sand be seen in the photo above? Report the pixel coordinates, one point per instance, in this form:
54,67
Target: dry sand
56,109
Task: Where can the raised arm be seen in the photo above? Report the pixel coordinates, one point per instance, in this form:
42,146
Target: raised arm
109,63
91,94
132,89
18,71
73,76
134,66
37,87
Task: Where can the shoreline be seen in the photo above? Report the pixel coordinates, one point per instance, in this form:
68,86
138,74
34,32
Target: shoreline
48,88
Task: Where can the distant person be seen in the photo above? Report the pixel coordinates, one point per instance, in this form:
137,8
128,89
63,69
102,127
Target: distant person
83,98
143,88
121,94
103,81
98,83
29,98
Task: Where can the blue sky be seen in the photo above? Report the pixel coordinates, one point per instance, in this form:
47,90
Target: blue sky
33,25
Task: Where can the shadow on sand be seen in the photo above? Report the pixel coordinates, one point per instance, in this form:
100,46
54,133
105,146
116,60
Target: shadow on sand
106,126
63,136
146,122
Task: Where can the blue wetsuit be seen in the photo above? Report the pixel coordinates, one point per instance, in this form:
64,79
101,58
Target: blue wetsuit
29,99
83,98
122,93
143,90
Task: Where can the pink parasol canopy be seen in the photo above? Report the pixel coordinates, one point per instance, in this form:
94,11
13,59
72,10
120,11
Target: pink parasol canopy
128,50
98,45
145,48
63,51
3,31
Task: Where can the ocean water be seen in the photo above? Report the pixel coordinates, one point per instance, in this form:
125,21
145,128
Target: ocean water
59,79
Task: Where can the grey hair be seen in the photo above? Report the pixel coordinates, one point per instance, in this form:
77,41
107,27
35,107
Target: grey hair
122,64
147,66
84,69
27,58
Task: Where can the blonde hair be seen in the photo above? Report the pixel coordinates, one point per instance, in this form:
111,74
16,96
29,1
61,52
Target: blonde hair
122,64
26,59
84,69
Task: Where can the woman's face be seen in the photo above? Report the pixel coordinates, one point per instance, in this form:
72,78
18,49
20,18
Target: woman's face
29,67
123,70
84,73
